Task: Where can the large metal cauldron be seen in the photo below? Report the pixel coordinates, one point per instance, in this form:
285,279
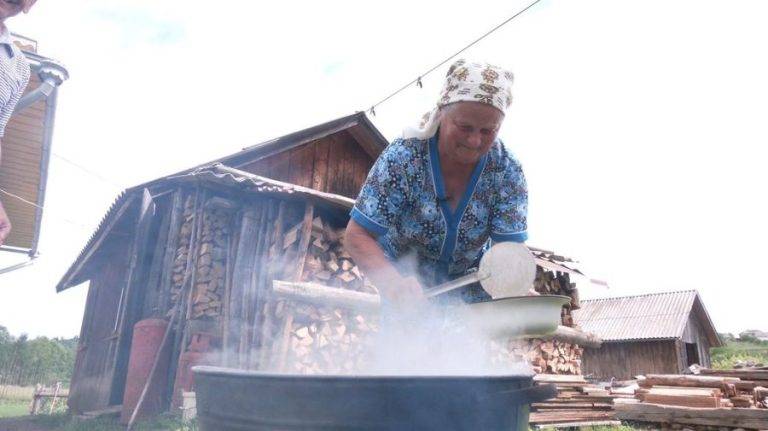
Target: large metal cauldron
229,400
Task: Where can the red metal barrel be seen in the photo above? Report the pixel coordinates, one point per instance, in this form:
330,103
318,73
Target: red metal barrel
147,339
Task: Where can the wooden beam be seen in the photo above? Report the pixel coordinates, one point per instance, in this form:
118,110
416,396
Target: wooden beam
630,409
241,276
328,296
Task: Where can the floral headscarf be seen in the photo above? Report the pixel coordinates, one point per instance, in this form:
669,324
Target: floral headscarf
467,82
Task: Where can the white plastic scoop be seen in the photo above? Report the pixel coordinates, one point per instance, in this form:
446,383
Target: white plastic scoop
507,269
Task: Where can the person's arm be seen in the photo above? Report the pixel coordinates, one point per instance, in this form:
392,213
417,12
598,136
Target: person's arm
5,225
368,255
379,206
5,222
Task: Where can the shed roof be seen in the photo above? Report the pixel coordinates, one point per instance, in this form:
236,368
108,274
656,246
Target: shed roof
221,171
653,316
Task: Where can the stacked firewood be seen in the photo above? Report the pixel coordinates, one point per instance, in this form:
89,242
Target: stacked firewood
182,250
327,340
551,283
322,338
548,356
210,273
552,356
327,261
717,398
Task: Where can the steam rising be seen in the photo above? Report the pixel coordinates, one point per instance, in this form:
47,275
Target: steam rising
438,341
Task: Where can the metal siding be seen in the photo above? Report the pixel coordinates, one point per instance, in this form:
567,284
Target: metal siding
644,317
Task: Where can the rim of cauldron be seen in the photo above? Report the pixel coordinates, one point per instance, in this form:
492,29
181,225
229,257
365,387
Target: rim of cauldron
528,297
224,371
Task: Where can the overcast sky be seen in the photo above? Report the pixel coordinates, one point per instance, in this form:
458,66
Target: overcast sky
641,125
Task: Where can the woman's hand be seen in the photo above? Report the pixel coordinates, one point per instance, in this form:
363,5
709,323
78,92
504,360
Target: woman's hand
405,293
398,290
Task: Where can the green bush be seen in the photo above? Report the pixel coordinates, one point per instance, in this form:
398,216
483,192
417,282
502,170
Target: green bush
725,357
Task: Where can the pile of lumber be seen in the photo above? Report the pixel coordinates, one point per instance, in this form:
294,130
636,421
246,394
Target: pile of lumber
716,398
748,380
578,403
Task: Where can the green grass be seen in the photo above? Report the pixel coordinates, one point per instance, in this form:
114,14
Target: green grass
624,427
16,393
725,357
13,408
63,422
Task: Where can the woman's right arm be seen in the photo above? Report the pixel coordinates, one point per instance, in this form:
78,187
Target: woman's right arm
368,255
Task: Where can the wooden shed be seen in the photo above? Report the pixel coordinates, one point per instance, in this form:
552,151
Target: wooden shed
659,333
209,227
207,248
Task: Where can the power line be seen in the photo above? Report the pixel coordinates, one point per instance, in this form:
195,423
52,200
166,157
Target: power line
417,81
74,223
84,169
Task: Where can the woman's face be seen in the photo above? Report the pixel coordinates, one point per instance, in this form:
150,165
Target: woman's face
467,131
11,8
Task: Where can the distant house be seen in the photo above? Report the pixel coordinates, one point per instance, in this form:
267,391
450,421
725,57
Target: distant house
756,333
657,333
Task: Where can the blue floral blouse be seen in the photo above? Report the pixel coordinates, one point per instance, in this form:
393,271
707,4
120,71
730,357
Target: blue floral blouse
403,204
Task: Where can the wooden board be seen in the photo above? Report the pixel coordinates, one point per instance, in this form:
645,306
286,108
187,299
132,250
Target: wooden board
744,374
730,417
682,400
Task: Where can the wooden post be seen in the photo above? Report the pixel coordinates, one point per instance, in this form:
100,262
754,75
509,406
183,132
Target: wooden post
55,396
174,225
274,262
178,337
261,267
250,298
301,255
240,277
36,400
152,306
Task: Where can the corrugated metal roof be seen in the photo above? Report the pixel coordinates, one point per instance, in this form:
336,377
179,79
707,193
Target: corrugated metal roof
256,183
643,317
115,211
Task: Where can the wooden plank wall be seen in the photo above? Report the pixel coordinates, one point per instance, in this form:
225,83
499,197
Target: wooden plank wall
694,333
94,366
334,164
20,167
626,360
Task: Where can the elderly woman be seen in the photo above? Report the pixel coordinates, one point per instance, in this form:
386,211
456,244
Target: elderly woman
436,197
